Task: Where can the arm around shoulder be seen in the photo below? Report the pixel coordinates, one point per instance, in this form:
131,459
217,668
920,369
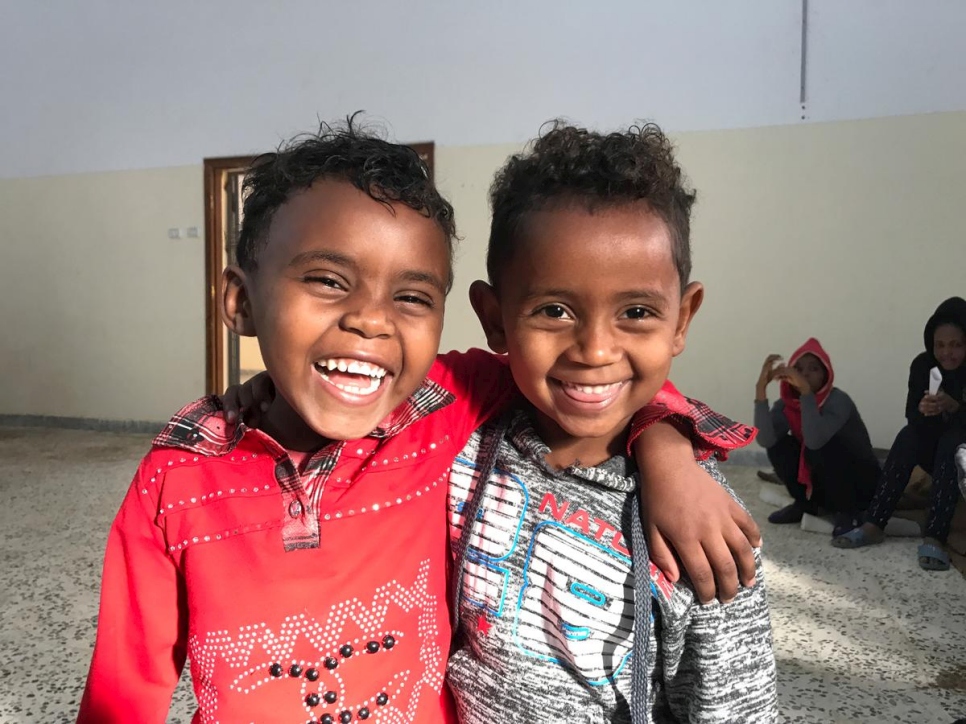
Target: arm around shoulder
683,506
482,384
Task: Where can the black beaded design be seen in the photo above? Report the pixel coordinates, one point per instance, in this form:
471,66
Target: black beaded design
277,670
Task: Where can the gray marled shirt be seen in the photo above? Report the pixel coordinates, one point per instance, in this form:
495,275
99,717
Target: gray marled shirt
547,601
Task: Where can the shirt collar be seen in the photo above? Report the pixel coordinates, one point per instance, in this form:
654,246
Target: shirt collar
200,427
617,472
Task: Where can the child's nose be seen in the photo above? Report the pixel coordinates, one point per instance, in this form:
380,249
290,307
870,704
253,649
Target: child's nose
595,345
368,318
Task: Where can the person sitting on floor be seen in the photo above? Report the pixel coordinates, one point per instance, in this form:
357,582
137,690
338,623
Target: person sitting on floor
937,427
816,439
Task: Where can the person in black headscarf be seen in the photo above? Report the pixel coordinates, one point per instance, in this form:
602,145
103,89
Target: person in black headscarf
936,428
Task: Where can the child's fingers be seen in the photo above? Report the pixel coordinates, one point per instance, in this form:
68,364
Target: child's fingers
746,524
744,557
231,404
662,556
263,391
245,399
725,570
699,569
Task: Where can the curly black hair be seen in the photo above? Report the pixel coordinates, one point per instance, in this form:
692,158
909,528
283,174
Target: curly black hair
567,164
388,172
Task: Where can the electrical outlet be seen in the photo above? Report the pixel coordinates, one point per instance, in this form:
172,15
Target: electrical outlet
192,232
174,233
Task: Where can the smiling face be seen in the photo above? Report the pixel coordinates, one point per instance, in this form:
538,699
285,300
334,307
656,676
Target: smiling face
590,312
949,346
347,303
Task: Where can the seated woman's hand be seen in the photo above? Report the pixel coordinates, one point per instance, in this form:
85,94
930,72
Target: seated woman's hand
793,377
930,405
947,404
247,402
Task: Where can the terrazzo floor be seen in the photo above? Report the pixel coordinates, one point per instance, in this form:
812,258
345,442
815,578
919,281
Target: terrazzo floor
860,636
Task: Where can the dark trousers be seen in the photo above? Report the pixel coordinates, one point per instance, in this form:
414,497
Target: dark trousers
841,481
933,450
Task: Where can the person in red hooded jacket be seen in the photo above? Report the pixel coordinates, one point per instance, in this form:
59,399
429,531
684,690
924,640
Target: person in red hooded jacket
816,439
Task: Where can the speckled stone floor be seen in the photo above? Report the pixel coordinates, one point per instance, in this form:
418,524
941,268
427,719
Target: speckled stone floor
861,637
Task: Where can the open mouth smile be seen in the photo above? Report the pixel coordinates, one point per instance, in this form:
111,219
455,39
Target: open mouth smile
595,395
352,376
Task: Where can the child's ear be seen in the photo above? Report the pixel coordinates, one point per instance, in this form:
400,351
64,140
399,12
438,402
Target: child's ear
236,306
690,303
487,307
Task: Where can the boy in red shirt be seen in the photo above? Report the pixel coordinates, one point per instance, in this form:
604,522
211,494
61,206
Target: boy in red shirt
302,567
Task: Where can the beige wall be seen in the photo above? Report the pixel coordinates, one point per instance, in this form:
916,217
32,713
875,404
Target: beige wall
103,315
848,231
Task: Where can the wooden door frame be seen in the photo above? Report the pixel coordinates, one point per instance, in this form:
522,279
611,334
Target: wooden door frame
215,170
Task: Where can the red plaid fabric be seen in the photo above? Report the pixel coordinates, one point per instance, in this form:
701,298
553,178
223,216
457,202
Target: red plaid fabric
710,432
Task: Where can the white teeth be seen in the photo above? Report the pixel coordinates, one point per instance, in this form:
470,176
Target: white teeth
352,366
374,384
592,389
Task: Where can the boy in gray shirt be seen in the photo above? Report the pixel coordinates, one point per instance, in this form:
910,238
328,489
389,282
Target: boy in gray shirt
562,616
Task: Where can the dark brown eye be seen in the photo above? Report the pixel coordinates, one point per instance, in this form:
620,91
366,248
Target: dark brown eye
554,311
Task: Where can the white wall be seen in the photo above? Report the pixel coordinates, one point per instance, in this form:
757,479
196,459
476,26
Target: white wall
847,230
122,84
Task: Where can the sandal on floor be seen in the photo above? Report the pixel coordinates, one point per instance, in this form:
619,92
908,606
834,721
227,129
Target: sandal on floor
843,524
932,558
856,538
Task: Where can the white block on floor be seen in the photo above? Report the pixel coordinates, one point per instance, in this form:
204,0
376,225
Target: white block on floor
817,524
903,528
774,495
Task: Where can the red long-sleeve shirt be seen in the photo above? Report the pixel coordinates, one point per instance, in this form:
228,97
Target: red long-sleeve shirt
307,595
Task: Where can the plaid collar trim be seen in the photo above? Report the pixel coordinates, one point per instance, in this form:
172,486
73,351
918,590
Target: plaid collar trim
427,399
200,427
